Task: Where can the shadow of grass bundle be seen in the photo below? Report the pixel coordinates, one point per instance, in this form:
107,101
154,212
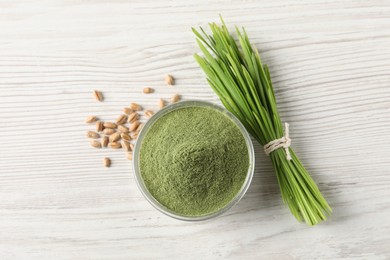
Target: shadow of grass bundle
243,84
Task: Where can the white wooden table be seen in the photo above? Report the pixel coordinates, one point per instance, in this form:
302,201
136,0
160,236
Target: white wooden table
330,63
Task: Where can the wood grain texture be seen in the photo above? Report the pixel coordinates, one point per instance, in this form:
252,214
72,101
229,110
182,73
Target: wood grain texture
330,63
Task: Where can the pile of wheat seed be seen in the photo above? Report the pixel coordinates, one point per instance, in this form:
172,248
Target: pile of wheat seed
123,132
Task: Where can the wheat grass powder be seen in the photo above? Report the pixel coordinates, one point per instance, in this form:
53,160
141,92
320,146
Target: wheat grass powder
194,160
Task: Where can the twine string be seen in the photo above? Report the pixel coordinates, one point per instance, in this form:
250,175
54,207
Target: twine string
284,142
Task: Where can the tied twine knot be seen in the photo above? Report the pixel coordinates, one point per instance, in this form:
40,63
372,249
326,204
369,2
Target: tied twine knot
284,142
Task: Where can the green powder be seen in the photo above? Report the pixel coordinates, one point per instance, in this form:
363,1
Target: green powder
194,160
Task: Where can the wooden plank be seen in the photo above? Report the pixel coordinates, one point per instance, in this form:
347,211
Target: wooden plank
330,63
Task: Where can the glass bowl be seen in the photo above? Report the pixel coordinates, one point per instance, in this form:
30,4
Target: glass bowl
158,205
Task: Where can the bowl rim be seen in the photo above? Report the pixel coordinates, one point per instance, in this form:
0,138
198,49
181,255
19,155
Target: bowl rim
137,172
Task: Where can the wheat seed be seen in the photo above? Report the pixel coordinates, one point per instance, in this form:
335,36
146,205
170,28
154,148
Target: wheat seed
169,80
121,119
134,126
108,131
148,90
91,119
135,107
123,129
93,135
161,103
110,125
115,145
99,126
126,137
127,110
175,98
132,117
106,162
104,141
148,113
98,95
115,137
95,144
139,127
134,135
126,146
